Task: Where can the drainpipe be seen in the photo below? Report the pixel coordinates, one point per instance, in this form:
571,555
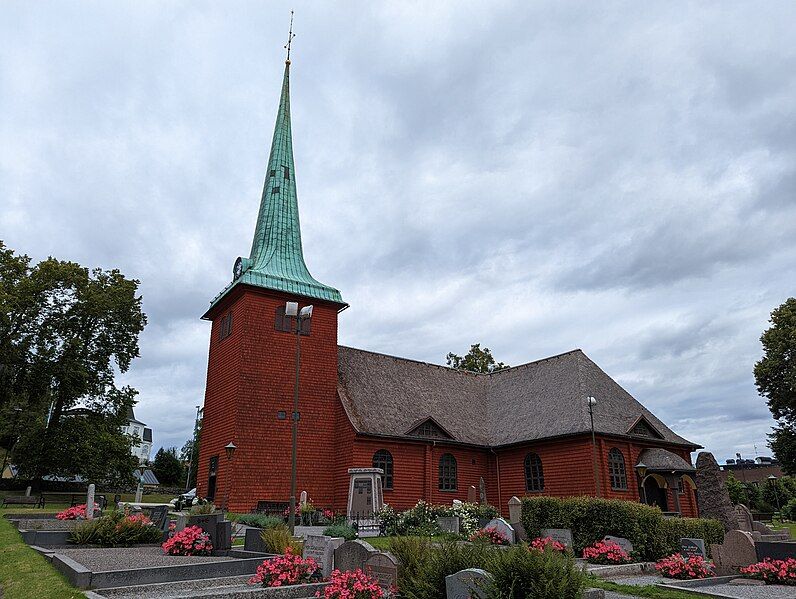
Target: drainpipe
497,468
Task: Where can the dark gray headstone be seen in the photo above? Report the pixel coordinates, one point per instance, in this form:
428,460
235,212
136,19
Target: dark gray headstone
689,547
712,497
775,550
253,541
467,584
562,535
223,535
160,516
384,568
625,544
448,524
208,523
352,555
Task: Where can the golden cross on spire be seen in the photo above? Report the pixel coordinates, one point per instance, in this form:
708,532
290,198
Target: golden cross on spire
290,37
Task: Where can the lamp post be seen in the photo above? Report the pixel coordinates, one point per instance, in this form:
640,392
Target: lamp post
292,311
641,468
773,480
592,402
193,448
229,449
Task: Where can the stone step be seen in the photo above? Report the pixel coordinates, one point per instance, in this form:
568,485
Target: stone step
171,590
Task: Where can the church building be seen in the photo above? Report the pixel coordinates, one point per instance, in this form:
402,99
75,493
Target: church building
435,431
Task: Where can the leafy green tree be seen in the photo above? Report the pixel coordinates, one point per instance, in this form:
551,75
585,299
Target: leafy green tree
476,360
189,454
776,492
167,466
736,490
775,376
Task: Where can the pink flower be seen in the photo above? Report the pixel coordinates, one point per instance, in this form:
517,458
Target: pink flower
540,543
684,568
490,535
606,552
191,540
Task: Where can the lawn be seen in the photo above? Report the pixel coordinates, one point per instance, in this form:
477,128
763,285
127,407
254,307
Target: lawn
24,574
649,590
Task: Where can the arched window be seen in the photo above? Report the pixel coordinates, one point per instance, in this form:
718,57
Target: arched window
383,459
616,470
534,475
447,473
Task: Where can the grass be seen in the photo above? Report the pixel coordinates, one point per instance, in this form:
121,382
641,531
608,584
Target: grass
24,574
651,591
777,525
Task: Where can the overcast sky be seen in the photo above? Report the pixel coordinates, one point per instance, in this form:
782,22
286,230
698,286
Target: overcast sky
537,177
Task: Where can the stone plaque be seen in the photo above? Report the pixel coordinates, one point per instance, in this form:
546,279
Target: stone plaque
384,568
562,535
737,551
223,535
208,523
625,544
504,528
160,516
689,547
467,584
253,541
352,555
448,523
321,549
362,498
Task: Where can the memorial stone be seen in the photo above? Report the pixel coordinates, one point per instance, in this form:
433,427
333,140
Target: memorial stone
160,516
562,535
352,555
27,491
223,535
625,544
467,584
90,502
515,509
321,549
448,524
384,568
737,551
744,518
303,499
712,497
471,494
691,547
504,528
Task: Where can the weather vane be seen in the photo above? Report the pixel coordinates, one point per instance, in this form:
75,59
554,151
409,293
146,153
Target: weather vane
290,37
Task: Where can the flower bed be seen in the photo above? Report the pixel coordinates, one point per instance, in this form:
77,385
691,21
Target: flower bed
191,540
353,585
76,512
685,568
489,535
773,571
542,543
285,570
116,529
606,553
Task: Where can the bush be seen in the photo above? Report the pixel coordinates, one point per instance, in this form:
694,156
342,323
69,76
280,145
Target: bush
278,539
773,571
489,535
341,530
202,509
421,520
542,543
518,573
116,530
789,510
591,519
684,568
191,540
256,520
285,570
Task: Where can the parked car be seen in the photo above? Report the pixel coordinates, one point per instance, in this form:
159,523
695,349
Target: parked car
186,499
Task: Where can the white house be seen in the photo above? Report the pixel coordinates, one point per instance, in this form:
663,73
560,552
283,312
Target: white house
140,431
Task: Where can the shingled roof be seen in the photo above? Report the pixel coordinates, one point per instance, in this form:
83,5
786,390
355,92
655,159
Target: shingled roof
385,395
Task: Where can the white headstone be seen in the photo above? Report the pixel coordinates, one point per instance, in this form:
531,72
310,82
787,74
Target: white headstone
303,499
321,549
90,503
515,509
27,491
504,528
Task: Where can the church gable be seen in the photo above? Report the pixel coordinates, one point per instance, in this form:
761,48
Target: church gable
643,428
430,429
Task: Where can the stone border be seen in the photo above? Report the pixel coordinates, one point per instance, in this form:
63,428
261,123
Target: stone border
700,586
619,569
299,591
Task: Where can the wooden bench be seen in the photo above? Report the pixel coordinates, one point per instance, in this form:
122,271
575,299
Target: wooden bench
23,500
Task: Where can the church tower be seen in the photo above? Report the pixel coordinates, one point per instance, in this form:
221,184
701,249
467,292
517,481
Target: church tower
251,366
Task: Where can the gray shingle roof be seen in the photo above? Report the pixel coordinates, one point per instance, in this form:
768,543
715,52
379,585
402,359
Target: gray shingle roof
658,459
385,395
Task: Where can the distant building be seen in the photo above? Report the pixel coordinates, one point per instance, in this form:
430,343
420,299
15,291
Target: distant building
755,472
142,433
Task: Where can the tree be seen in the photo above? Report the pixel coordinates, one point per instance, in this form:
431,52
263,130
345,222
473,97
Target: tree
189,454
476,360
167,466
736,490
775,377
65,332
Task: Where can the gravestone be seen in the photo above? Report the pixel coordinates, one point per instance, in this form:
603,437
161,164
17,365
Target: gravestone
448,524
737,551
482,491
303,499
471,494
352,555
504,528
562,535
90,502
321,549
27,491
223,535
712,497
253,541
384,568
365,497
691,547
515,509
625,544
775,550
467,584
744,518
209,524
181,520
160,516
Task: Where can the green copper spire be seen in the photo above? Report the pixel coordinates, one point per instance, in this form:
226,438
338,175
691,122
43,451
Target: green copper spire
276,260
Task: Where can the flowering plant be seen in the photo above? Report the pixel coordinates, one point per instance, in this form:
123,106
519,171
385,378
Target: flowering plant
773,571
606,552
76,512
351,585
684,568
540,543
191,540
489,535
285,570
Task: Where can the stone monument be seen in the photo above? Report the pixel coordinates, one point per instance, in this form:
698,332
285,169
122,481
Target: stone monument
467,584
321,549
383,567
471,494
712,497
482,491
90,502
504,528
365,500
352,555
737,551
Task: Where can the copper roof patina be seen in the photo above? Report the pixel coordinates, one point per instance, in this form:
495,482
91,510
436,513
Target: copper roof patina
276,260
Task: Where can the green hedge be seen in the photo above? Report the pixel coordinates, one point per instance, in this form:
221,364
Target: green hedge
590,519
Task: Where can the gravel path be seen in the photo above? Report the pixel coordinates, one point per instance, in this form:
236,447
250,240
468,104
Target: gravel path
127,558
740,591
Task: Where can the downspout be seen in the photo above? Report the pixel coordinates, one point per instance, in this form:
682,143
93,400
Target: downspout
497,470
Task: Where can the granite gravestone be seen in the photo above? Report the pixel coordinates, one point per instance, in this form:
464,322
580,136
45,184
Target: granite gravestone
471,494
562,535
160,516
90,502
209,524
625,544
383,567
448,524
712,497
691,547
504,528
744,518
467,584
515,510
321,549
737,551
352,555
775,550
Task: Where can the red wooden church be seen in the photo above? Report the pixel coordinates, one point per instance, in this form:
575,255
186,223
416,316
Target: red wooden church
434,431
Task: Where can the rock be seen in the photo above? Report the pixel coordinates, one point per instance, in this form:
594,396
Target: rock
713,499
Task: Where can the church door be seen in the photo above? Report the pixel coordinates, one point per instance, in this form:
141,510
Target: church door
655,494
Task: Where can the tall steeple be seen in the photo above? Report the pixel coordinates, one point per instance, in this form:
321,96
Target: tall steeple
276,260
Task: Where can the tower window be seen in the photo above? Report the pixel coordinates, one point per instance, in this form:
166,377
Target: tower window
212,472
616,470
287,173
447,473
272,173
534,475
274,190
225,330
285,323
383,459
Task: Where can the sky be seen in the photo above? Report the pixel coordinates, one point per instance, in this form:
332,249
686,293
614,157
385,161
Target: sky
536,177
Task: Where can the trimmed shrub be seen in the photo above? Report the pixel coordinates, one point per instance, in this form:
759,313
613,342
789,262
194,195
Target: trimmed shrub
591,519
518,573
789,510
341,530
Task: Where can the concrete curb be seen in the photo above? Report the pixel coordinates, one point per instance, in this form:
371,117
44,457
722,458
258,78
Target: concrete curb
620,569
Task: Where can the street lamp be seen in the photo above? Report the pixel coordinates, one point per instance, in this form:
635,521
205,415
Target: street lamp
773,480
229,449
593,402
292,311
641,468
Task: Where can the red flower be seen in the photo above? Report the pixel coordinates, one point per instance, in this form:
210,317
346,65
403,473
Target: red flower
191,540
540,543
489,535
285,570
352,585
606,552
684,568
773,571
